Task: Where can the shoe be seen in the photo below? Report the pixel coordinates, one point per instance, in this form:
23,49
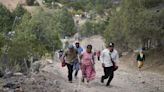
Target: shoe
76,77
102,80
82,80
107,85
87,81
70,82
88,85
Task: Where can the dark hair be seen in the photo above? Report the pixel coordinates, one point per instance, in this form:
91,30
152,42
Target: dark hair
89,46
77,43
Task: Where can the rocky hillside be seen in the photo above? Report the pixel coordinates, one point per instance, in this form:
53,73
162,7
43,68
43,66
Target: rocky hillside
11,4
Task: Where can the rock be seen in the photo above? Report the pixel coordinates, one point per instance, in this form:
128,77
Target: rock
8,74
35,68
11,85
18,74
124,53
6,90
48,61
18,89
143,82
56,82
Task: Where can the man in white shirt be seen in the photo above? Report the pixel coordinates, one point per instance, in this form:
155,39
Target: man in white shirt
108,55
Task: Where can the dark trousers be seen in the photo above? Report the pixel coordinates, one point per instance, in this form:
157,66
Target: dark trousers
70,71
108,73
98,58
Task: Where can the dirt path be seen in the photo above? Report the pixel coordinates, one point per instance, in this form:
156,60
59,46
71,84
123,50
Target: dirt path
125,80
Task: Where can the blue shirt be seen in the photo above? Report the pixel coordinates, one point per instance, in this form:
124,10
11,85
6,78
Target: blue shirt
79,50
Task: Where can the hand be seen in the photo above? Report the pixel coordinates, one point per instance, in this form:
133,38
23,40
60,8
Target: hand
80,63
103,65
93,63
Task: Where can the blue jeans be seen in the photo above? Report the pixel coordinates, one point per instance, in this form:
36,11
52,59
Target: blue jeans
76,66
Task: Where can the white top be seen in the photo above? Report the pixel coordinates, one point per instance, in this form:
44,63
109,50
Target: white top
106,59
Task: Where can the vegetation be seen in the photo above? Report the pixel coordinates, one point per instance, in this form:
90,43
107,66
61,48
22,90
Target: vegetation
65,23
132,24
5,19
138,23
93,28
23,36
30,2
49,1
85,5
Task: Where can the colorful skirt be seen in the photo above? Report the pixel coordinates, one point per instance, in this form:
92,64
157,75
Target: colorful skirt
88,72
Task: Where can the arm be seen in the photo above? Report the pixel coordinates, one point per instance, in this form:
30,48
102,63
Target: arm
137,59
64,55
80,57
102,59
93,59
82,49
117,59
144,57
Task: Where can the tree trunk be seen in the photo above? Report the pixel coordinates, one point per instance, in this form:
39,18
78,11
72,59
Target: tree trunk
5,64
53,54
159,43
26,66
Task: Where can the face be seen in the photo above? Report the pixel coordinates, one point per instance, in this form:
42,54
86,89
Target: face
71,49
141,51
77,45
111,49
89,49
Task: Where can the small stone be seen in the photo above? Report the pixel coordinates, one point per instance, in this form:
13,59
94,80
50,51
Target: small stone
18,74
9,85
19,90
143,82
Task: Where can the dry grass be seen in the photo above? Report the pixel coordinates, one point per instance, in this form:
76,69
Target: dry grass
11,4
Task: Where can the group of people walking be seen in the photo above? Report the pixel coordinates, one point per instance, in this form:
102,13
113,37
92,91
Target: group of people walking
76,58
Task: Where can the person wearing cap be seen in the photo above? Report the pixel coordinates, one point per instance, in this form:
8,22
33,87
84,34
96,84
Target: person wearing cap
140,59
76,65
107,57
70,56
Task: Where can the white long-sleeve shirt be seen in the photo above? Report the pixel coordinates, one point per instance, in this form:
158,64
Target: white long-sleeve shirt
106,59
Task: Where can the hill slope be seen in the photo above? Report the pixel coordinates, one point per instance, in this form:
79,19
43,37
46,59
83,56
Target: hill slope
11,4
154,61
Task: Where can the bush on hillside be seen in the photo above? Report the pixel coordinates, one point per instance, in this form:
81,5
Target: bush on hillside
136,25
30,2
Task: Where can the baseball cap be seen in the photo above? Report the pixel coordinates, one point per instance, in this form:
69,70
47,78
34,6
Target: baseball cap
70,46
111,44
